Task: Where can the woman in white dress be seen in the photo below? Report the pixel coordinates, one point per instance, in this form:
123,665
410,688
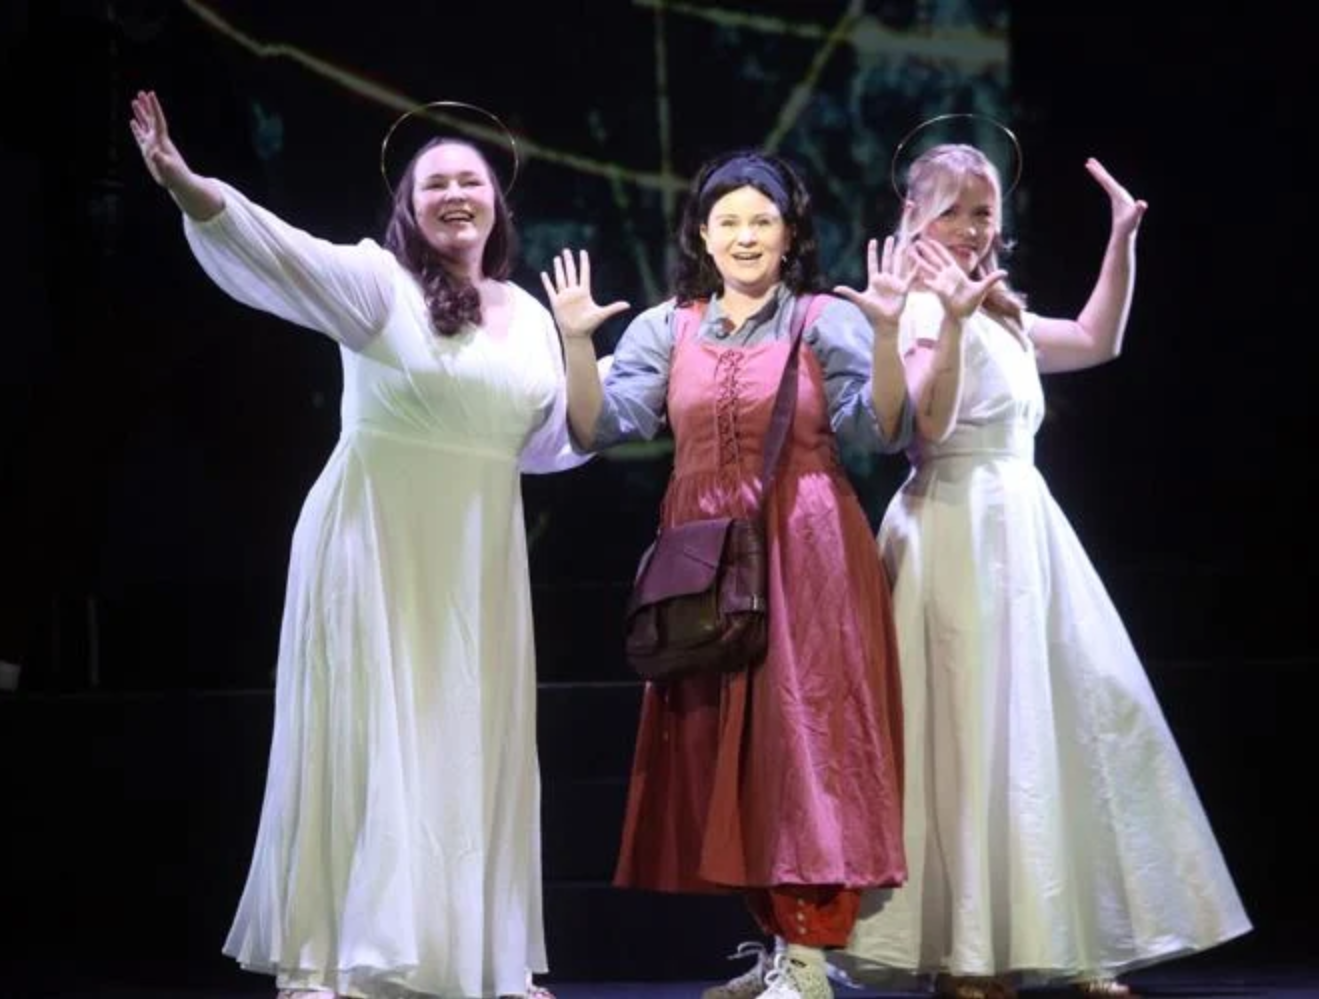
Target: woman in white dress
399,844
1052,831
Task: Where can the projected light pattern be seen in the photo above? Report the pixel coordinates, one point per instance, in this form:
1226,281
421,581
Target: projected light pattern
864,84
844,132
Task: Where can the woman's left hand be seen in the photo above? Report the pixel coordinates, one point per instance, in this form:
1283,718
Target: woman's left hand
1127,211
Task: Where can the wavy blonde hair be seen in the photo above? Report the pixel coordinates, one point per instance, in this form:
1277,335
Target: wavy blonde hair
935,179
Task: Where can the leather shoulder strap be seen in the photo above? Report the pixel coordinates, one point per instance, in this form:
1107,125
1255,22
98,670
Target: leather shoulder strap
805,311
687,320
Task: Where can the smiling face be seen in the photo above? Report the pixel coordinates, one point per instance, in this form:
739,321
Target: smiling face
453,200
746,237
967,227
954,198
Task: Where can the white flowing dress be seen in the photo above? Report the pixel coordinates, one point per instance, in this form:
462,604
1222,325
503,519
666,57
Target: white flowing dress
1051,827
399,843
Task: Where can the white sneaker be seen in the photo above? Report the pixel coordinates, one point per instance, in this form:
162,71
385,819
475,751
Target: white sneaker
790,978
750,983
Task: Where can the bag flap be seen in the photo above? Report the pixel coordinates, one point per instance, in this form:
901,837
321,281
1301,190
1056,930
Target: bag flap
683,560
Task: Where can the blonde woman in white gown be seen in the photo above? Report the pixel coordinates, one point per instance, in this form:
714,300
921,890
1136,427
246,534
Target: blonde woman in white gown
1052,831
398,852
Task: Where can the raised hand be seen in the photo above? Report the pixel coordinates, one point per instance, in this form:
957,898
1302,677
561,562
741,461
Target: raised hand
1127,211
885,294
575,311
940,272
158,151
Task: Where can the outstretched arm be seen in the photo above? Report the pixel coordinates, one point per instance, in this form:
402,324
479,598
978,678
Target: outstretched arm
200,198
1095,336
578,317
345,292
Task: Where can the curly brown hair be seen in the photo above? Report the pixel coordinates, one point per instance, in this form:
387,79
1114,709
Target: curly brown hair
451,301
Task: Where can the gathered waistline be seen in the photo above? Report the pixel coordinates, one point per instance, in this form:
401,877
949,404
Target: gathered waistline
433,443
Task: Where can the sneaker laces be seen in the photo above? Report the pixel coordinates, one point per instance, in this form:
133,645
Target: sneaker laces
748,949
781,970
782,975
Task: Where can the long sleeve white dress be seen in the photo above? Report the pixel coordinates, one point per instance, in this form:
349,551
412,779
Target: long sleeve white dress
399,842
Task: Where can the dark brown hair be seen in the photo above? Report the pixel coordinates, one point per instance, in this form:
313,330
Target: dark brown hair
452,301
695,276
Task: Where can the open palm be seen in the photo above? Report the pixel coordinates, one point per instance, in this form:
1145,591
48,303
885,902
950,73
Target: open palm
885,294
150,131
1127,211
940,272
575,310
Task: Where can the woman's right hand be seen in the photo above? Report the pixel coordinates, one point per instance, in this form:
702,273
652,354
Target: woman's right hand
940,273
199,197
885,295
159,153
575,310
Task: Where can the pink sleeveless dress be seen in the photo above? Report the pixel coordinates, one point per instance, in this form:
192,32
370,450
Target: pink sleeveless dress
790,773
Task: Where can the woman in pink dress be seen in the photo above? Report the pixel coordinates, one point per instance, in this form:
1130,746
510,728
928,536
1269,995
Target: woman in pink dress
784,781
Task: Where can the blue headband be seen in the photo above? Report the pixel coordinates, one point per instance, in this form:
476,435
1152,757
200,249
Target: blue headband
743,170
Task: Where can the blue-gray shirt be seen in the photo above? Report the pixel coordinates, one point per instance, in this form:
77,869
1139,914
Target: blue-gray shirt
637,385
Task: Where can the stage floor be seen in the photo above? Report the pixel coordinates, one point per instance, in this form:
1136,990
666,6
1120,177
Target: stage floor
1237,982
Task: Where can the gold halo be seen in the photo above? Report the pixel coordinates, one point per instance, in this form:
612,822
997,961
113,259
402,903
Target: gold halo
508,137
906,140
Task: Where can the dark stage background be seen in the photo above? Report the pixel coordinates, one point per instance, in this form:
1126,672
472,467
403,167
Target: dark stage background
157,439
